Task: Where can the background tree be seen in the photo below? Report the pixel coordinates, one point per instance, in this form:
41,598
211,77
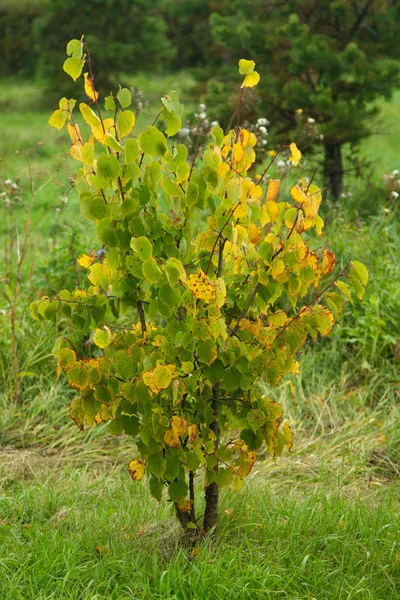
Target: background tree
333,60
135,30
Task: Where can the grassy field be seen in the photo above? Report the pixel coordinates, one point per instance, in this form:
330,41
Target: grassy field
322,523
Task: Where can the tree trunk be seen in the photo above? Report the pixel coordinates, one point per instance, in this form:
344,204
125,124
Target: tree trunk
192,535
334,168
212,491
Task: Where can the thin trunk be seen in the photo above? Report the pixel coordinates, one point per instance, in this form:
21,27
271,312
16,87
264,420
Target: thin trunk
192,535
334,168
212,491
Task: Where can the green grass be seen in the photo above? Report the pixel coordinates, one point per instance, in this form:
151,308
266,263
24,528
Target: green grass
70,532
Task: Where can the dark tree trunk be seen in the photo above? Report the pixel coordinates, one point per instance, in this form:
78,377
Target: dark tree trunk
212,491
334,168
192,536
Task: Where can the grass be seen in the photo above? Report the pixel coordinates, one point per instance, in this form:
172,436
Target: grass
72,532
322,523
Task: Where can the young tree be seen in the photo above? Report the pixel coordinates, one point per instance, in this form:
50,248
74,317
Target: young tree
208,288
333,60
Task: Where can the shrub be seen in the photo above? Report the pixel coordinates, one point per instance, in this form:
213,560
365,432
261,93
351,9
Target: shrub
207,287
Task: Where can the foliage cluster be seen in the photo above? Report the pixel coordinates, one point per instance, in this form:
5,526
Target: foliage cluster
207,286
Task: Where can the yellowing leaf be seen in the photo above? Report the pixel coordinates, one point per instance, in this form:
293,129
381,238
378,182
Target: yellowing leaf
58,119
136,469
278,268
162,377
193,430
126,121
148,380
251,80
73,66
159,378
246,66
171,438
220,292
179,425
296,154
102,337
328,262
361,271
184,505
90,90
201,286
273,189
85,260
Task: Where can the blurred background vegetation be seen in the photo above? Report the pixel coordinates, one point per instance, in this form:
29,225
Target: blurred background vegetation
330,79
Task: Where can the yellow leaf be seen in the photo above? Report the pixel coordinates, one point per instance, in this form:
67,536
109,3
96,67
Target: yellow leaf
136,469
246,66
90,90
171,438
238,153
273,189
298,195
74,133
296,154
254,233
278,268
179,425
85,260
184,505
251,80
193,431
201,286
328,262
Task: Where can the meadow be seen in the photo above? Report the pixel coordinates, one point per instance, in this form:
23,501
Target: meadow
320,523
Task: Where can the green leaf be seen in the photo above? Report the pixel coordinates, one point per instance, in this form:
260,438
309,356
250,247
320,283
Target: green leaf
172,104
73,67
78,377
173,122
131,150
156,488
151,270
171,188
112,143
124,97
67,358
75,48
143,247
224,477
109,103
153,142
157,464
177,489
192,194
108,167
